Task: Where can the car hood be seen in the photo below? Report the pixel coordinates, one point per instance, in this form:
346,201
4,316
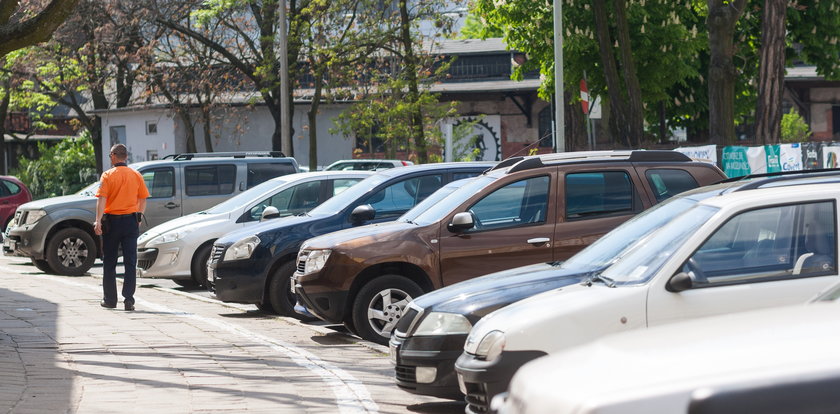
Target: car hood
62,202
267,227
660,367
371,233
194,221
477,297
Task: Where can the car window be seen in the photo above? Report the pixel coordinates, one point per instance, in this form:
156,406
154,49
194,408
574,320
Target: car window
518,203
261,172
160,182
668,182
11,188
4,190
342,184
769,243
295,200
209,179
598,193
397,198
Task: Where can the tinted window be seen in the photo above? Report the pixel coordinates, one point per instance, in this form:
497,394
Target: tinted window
11,187
261,172
518,203
344,183
295,200
397,198
209,179
461,175
4,190
160,182
598,193
775,242
668,183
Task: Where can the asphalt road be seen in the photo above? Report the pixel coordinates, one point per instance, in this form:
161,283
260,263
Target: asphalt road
181,351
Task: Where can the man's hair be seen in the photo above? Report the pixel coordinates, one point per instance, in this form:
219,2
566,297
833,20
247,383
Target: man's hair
119,151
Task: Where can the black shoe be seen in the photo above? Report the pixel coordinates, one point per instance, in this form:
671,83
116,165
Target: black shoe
129,306
107,305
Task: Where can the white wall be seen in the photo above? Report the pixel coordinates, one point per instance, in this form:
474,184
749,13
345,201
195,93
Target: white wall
140,144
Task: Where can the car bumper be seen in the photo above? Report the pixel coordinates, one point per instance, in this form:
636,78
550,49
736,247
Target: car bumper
481,380
27,240
241,281
162,263
426,364
328,306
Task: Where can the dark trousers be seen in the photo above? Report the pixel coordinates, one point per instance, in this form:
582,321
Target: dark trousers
122,232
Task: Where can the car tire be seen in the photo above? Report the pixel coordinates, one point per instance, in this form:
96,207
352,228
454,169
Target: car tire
265,307
385,297
279,295
198,267
42,265
71,252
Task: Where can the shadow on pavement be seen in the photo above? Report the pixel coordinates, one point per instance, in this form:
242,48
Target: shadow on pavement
443,407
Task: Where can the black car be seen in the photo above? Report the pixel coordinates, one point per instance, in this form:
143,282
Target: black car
254,265
430,335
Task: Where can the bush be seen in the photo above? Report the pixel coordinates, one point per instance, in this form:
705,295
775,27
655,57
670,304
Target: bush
61,169
794,127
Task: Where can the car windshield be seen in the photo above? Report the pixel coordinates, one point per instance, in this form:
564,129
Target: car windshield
425,213
341,201
446,204
90,190
609,248
643,259
246,197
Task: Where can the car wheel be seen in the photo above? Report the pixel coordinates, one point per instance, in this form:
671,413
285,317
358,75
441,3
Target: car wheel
198,268
42,265
71,252
279,294
379,306
265,307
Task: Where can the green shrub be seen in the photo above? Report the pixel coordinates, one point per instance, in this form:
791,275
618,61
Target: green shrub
61,169
794,127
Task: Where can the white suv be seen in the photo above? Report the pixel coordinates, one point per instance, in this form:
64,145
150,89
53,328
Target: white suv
725,248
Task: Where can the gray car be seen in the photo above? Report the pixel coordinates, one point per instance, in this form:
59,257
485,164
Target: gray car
57,233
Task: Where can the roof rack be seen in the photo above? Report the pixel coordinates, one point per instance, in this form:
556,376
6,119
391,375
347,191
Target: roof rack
527,163
239,154
782,176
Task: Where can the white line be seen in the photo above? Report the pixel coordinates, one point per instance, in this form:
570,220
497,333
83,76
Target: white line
351,394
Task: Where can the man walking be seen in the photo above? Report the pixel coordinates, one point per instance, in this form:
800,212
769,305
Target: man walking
121,201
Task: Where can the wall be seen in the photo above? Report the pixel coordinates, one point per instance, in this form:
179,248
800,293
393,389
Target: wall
141,146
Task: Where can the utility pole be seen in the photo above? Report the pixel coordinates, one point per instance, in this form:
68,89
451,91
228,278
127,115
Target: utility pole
560,103
285,124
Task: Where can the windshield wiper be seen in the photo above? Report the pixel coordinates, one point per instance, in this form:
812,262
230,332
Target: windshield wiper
598,277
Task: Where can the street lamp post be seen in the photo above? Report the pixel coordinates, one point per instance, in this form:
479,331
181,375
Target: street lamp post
285,138
559,105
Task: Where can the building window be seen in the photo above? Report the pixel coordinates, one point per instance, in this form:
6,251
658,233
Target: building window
151,127
151,155
835,120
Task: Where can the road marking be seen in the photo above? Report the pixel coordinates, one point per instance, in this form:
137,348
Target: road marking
351,394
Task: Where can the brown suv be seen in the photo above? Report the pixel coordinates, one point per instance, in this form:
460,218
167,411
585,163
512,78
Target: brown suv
525,210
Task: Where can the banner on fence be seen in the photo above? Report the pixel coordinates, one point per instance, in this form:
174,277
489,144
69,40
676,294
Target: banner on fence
735,161
790,156
707,153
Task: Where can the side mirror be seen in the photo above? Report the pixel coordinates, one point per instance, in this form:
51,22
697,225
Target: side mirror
461,222
680,282
269,212
362,214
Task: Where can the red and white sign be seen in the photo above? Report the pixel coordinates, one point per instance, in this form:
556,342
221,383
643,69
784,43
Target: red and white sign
584,96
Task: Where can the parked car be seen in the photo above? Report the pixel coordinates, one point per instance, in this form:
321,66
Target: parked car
751,244
255,265
57,233
526,210
777,360
343,165
179,249
13,193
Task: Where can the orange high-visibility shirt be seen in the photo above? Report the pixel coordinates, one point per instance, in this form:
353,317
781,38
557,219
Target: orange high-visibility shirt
122,188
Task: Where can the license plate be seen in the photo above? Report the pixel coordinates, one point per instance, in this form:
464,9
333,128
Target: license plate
393,353
211,275
292,284
461,385
9,243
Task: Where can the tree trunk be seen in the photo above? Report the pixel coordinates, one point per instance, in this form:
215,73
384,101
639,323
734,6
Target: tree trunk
37,29
313,119
618,106
723,15
771,73
4,113
205,119
635,111
410,67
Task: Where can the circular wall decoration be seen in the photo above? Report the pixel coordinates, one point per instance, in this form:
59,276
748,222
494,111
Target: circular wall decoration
482,138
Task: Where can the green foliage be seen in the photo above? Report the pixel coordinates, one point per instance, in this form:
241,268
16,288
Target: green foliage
794,127
476,28
60,169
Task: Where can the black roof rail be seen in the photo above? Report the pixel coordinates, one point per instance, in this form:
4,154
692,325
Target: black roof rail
657,155
782,176
237,154
526,164
507,163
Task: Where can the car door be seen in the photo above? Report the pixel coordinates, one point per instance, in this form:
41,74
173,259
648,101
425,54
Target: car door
514,225
769,256
11,196
593,201
207,185
164,202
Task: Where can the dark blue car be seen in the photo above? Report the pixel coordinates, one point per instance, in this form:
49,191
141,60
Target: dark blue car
254,265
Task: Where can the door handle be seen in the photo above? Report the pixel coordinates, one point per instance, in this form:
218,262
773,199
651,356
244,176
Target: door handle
171,205
539,240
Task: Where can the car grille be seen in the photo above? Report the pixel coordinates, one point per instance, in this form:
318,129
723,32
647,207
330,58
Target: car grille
407,318
148,259
406,374
216,253
17,219
301,266
476,398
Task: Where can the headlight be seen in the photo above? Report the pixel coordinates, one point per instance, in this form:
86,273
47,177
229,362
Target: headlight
168,237
32,216
443,323
491,345
316,260
243,249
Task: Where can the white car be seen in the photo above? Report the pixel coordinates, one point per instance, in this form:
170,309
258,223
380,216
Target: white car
370,164
725,248
784,359
178,249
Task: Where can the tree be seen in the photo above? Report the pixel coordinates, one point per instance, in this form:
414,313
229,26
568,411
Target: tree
19,28
61,169
771,74
793,128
